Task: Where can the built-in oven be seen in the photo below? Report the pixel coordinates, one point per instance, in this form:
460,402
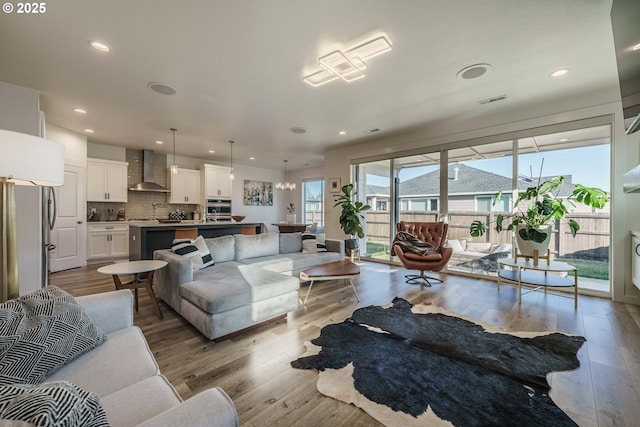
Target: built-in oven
218,209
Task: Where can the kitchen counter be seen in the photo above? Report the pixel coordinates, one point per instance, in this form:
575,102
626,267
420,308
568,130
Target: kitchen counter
145,237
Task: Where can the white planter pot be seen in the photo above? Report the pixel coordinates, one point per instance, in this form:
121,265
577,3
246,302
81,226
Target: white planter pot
526,247
291,218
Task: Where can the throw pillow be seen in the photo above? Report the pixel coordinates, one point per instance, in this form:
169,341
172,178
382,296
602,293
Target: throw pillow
57,403
40,332
195,250
309,243
203,249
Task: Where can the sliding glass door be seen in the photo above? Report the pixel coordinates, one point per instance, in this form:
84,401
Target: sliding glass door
414,188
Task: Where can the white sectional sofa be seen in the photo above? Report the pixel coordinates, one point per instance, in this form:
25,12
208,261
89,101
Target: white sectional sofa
254,280
121,371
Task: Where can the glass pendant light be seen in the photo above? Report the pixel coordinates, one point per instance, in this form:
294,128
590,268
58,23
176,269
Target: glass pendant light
174,165
286,186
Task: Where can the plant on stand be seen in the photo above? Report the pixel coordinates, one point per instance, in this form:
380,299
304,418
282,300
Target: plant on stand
352,216
291,216
533,224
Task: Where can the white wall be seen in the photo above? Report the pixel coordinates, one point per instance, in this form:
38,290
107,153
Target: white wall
75,144
106,152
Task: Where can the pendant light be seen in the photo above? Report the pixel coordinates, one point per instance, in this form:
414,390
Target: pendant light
231,171
286,186
174,165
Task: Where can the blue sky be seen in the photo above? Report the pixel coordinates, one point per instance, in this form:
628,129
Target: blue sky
589,166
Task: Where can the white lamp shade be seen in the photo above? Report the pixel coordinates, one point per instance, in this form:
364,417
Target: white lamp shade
31,160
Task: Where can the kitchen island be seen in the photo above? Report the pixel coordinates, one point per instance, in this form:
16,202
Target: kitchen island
145,237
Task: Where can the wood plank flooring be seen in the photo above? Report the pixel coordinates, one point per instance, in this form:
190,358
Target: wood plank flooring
254,367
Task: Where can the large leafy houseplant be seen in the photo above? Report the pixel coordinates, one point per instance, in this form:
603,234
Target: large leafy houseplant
352,211
544,208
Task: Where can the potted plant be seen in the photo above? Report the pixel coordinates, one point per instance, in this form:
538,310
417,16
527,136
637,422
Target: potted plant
351,216
291,216
533,224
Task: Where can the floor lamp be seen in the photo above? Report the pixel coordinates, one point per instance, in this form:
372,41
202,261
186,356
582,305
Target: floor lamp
24,160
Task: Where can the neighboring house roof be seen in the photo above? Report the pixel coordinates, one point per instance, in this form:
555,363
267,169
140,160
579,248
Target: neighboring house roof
467,180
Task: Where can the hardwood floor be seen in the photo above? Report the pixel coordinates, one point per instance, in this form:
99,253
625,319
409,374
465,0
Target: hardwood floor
254,367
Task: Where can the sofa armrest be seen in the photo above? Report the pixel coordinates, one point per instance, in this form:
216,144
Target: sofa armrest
334,245
167,281
212,407
109,311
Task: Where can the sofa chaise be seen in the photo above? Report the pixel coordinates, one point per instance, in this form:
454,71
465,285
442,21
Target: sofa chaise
253,281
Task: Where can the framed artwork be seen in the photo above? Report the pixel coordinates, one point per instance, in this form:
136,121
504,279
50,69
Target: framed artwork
258,193
334,185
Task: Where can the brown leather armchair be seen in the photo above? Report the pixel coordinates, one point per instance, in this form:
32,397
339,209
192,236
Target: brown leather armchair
434,233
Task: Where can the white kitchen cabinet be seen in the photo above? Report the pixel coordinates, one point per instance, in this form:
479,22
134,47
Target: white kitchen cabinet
107,241
106,181
216,181
184,186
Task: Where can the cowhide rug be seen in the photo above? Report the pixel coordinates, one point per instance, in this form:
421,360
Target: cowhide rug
407,365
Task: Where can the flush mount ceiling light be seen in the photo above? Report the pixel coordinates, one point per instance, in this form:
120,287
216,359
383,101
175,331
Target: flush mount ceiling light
174,165
286,186
348,65
474,71
99,46
559,73
161,88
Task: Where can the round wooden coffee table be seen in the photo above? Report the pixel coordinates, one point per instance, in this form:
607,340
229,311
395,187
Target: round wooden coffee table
330,271
136,268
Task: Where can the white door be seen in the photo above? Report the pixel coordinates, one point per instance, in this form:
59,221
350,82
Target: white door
69,232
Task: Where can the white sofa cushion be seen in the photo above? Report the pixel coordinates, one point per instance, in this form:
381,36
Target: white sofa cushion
456,245
126,357
222,248
257,245
152,396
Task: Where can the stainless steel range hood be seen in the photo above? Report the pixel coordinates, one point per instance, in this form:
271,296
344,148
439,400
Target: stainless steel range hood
148,184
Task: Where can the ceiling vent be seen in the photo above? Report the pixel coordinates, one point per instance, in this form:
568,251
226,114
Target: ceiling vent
493,99
371,130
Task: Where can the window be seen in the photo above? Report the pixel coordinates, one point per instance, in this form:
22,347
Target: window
313,202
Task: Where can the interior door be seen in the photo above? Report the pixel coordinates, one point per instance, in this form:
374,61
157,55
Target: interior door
69,233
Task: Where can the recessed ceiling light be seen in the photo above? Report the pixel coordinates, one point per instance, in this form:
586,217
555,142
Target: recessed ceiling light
161,88
212,151
159,142
80,110
252,158
636,47
559,73
474,71
89,130
99,46
342,132
297,130
564,139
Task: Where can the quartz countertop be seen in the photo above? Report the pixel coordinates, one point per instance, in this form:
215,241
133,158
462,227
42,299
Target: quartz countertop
189,223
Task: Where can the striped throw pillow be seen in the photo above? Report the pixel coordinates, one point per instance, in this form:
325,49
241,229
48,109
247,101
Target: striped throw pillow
195,250
56,403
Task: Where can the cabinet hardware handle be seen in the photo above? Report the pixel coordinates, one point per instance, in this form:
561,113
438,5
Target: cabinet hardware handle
637,247
79,222
109,228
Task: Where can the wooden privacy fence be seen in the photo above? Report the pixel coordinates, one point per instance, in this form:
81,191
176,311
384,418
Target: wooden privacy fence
592,241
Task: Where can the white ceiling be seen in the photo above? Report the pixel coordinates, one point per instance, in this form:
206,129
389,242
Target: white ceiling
237,67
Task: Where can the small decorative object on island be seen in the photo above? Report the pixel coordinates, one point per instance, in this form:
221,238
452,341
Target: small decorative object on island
238,218
352,216
291,216
533,226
